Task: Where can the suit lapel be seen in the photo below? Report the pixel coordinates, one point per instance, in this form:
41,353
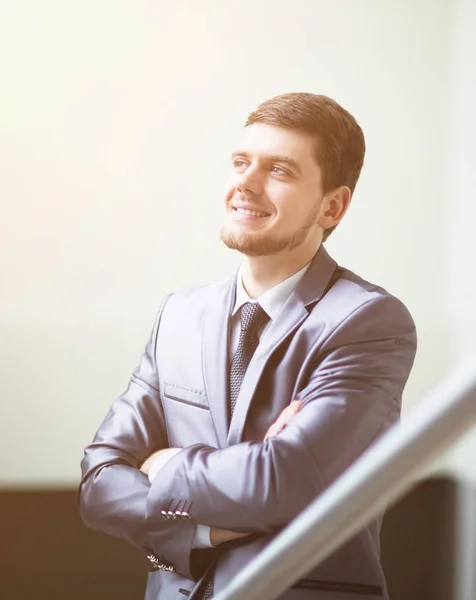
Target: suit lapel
215,345
293,313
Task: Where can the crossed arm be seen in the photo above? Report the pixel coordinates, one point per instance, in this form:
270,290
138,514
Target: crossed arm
351,396
216,535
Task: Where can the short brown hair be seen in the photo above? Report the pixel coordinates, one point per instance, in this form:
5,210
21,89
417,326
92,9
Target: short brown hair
340,149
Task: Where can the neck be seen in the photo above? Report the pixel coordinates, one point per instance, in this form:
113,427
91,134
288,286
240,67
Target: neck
261,273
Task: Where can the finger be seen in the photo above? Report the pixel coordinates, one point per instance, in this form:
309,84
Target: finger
288,413
272,431
284,418
293,408
280,421
275,429
291,411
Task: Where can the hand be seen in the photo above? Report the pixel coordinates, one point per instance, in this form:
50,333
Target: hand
284,419
147,464
219,536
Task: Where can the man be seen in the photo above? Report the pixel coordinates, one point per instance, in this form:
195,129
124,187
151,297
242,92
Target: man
254,394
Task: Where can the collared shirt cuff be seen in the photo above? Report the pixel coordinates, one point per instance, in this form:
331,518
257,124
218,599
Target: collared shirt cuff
201,538
160,462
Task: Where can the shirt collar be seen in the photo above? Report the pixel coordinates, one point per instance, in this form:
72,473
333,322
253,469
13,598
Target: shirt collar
272,300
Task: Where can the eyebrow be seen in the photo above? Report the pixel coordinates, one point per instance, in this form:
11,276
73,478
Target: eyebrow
273,158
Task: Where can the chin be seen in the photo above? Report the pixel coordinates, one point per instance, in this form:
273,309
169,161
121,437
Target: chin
252,245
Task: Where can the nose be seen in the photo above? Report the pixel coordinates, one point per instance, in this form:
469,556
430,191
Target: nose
250,182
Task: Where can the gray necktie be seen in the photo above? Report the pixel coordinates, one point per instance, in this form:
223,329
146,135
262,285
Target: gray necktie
253,319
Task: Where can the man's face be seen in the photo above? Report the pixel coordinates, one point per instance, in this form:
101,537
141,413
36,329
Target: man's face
274,193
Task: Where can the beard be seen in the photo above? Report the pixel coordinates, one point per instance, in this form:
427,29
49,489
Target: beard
267,244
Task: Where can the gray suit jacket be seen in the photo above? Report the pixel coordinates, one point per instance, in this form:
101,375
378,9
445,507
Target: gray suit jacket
343,346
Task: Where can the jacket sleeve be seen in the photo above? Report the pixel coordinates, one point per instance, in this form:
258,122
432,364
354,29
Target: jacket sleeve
351,396
113,491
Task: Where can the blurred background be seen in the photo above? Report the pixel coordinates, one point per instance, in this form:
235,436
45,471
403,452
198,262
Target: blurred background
117,120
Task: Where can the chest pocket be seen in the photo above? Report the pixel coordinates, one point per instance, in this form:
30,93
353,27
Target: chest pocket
188,396
187,415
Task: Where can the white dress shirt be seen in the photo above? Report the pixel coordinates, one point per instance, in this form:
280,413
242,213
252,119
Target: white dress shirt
271,302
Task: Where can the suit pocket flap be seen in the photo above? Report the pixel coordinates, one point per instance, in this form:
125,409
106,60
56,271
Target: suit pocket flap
185,395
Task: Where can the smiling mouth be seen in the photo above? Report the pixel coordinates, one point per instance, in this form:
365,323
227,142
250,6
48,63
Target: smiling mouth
250,213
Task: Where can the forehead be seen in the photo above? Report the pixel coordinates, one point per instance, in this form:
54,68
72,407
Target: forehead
268,140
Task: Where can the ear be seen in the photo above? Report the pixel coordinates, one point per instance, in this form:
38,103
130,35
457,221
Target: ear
334,206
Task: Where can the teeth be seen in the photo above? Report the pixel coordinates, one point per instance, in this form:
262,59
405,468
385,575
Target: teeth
254,213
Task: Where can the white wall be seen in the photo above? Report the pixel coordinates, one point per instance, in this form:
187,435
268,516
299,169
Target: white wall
460,212
117,121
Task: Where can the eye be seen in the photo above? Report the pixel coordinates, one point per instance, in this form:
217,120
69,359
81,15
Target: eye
239,163
278,170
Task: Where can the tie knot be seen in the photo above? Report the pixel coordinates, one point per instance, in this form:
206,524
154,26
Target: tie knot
253,318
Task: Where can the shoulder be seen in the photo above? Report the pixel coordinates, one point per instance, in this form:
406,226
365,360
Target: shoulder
364,307
196,299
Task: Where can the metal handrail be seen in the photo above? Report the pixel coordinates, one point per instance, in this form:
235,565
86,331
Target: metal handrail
379,477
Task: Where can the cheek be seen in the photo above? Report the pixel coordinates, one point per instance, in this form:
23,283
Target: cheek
229,193
287,205
230,190
293,211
